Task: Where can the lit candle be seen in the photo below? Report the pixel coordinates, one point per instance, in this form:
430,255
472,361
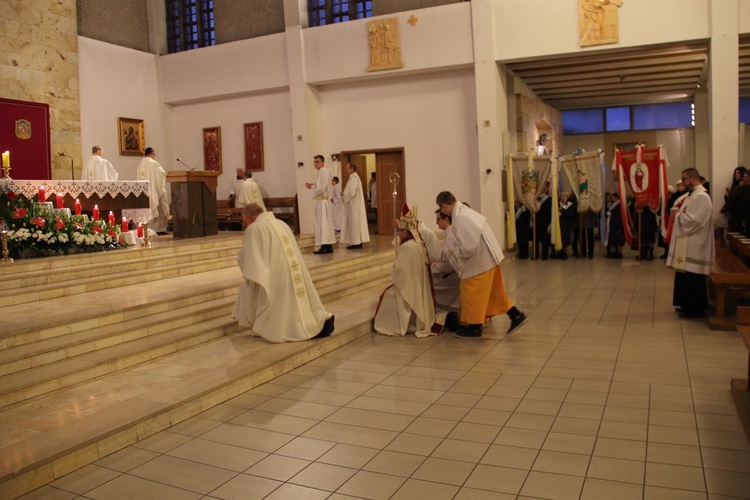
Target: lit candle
77,207
42,194
111,218
140,230
96,212
125,225
6,159
59,200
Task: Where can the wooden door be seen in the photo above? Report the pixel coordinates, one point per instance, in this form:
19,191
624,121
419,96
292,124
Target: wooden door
387,163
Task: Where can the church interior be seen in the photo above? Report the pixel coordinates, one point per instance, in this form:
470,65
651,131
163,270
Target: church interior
123,375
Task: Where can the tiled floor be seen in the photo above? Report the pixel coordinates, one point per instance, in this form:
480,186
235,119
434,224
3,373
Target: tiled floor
604,394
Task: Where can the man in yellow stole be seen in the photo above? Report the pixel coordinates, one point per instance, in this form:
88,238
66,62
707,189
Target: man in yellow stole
482,289
277,298
691,247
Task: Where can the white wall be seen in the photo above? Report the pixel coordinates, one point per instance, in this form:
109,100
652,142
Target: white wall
431,116
271,108
120,82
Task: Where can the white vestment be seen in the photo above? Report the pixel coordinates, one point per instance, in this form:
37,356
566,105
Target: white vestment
337,208
150,170
321,192
445,279
478,249
407,305
250,193
235,188
354,231
97,168
277,298
691,248
430,241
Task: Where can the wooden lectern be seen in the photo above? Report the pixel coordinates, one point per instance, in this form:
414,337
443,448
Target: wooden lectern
193,203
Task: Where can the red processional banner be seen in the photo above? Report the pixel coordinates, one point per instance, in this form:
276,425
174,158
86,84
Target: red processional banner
644,172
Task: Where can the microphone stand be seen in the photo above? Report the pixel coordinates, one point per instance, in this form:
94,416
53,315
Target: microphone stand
188,166
72,172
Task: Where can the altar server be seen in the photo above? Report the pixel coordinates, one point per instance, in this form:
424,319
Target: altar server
325,235
482,289
277,298
355,231
97,168
150,170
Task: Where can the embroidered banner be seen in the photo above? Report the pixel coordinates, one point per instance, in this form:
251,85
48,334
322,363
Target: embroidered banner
584,172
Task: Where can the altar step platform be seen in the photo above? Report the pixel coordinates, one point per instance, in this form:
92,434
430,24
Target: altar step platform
94,369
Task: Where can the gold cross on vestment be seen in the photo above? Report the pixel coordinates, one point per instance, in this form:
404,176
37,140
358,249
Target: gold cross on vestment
285,240
290,252
297,279
413,20
300,292
295,265
680,260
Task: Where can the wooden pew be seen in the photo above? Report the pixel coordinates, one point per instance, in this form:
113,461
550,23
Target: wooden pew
228,217
740,387
290,217
729,275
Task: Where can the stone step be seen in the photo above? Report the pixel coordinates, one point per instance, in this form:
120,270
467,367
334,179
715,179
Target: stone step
138,324
51,377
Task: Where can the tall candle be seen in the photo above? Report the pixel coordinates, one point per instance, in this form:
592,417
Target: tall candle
140,230
125,225
111,218
6,159
96,212
77,207
42,194
59,200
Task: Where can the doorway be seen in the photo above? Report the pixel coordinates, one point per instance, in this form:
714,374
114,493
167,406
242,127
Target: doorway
381,163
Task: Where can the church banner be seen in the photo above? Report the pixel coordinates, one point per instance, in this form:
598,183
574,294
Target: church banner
584,172
529,176
644,172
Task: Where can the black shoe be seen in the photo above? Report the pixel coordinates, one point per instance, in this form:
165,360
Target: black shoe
469,332
327,328
324,249
452,323
563,256
354,247
591,256
691,314
516,323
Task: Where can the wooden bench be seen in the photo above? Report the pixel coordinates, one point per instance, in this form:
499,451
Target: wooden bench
741,387
291,217
228,217
285,209
729,272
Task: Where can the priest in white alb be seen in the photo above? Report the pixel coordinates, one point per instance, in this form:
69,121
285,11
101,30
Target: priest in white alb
149,169
691,247
325,234
355,231
97,168
250,192
277,298
408,306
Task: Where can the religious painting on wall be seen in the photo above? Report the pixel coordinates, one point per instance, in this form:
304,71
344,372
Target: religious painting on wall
598,22
212,149
254,147
385,44
132,137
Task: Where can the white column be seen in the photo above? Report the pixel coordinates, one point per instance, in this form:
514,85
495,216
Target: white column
723,95
492,110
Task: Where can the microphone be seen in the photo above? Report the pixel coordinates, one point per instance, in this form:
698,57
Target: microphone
188,166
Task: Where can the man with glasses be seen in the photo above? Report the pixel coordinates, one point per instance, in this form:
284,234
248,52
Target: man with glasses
691,247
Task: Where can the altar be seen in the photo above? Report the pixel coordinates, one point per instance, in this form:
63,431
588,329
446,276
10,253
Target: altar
108,196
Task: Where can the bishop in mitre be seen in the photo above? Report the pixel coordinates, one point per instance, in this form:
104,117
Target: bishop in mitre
277,298
408,305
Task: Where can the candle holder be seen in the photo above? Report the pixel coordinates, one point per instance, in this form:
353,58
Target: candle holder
4,238
6,172
146,237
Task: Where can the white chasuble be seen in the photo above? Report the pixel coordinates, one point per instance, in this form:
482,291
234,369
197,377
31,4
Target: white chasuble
250,193
97,168
277,297
150,170
407,305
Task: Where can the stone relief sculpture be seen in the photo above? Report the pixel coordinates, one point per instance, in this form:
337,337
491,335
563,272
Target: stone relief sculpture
597,22
385,44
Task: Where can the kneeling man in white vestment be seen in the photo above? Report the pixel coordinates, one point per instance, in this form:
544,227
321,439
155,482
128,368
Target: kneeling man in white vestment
277,298
408,305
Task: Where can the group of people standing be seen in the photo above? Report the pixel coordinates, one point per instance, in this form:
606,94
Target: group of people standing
97,168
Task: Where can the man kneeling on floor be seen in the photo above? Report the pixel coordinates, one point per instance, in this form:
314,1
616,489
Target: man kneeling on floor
408,304
277,298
